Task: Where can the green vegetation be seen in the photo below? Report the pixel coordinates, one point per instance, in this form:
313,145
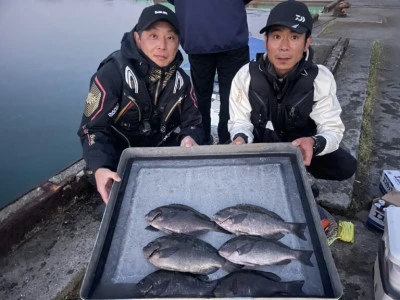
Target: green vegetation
366,138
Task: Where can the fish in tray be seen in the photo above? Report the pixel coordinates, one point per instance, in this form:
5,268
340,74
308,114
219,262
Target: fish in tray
162,283
179,218
185,253
248,219
252,283
258,251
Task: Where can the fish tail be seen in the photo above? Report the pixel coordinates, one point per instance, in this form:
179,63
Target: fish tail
304,256
230,266
299,229
294,288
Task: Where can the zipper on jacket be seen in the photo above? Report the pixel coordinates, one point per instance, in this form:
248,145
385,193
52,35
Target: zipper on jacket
122,112
163,126
138,107
121,134
292,109
263,105
156,92
166,137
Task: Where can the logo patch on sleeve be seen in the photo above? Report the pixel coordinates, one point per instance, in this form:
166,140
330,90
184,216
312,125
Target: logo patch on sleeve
92,100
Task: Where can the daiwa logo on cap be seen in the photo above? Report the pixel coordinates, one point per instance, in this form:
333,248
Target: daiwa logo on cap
300,18
157,12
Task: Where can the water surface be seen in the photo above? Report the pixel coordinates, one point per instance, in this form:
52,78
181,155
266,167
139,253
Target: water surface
49,49
48,52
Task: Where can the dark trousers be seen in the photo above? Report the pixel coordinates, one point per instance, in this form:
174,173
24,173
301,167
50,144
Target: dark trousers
338,165
202,70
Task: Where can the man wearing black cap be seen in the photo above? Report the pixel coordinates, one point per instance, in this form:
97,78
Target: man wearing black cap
139,97
282,96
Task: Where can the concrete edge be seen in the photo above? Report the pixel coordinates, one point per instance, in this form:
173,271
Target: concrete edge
23,214
333,61
73,287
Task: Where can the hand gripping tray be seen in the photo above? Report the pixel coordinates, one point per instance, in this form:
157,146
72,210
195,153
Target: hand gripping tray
207,178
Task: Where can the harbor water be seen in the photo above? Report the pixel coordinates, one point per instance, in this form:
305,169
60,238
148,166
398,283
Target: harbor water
49,49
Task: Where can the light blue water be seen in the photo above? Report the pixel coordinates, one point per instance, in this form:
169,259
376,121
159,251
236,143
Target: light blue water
48,52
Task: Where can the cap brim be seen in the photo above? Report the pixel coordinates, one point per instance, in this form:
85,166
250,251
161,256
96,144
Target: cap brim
294,27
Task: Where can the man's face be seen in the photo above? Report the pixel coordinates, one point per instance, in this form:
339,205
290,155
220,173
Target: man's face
285,48
159,42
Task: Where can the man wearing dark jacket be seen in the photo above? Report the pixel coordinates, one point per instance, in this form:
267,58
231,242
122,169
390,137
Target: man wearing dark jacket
139,97
284,97
215,35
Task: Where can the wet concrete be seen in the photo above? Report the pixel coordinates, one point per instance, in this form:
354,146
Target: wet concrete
52,257
367,22
48,262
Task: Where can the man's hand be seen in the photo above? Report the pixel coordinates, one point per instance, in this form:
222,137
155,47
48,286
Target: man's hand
306,146
239,141
188,142
104,179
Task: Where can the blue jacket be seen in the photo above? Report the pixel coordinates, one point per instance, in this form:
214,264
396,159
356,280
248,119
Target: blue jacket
211,26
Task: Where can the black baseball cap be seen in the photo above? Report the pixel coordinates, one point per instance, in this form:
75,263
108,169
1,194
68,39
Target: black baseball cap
154,13
292,14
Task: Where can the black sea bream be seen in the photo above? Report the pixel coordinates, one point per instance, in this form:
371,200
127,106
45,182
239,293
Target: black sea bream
185,253
247,219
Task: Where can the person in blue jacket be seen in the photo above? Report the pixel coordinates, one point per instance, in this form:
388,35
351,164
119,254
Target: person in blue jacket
215,36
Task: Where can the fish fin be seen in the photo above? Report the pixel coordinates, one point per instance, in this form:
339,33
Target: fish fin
196,212
273,215
202,277
179,205
271,276
283,262
167,252
197,232
151,228
298,229
276,236
246,248
294,288
262,210
239,218
230,266
305,257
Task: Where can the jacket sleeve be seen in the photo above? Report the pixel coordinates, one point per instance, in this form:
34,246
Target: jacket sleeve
191,118
239,106
95,132
326,110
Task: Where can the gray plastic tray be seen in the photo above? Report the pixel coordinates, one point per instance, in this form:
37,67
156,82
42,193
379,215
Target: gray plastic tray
207,178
